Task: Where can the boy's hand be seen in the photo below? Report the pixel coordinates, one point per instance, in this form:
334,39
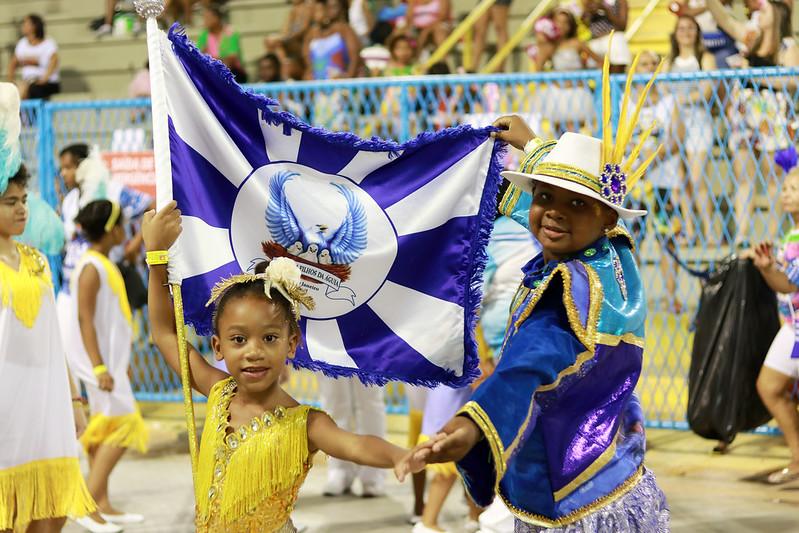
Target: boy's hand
513,130
416,459
763,257
160,230
455,440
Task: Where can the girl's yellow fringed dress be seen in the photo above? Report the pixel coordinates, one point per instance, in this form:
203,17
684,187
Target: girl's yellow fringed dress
115,418
248,477
40,477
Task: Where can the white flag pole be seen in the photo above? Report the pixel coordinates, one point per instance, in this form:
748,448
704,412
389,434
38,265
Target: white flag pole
150,10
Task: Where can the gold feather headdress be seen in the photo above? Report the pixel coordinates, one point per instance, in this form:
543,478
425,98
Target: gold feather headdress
282,275
617,173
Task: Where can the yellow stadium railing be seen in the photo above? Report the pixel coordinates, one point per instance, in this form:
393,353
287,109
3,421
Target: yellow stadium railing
637,23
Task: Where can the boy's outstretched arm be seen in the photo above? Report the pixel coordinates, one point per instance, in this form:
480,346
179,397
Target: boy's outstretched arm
160,231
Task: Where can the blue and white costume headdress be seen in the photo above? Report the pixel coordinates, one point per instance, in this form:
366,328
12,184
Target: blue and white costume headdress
44,230
10,126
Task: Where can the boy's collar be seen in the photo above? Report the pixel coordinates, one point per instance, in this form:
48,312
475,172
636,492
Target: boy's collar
537,269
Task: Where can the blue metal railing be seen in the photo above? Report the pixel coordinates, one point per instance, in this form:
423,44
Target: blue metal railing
718,190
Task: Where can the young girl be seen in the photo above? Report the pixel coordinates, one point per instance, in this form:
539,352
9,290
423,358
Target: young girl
99,337
661,112
780,371
258,443
688,55
40,479
402,52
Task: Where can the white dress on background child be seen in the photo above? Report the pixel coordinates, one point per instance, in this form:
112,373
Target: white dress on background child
115,417
40,475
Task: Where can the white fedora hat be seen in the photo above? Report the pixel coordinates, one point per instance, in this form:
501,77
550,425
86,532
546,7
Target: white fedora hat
575,164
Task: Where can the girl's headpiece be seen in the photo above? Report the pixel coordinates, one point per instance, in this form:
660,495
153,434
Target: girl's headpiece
593,167
282,275
10,126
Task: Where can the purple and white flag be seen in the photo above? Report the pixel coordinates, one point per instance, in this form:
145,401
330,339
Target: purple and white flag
390,238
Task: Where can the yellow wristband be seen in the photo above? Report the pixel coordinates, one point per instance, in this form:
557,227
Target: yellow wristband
100,369
158,257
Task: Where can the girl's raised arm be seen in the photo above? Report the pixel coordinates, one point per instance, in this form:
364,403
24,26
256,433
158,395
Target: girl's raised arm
160,231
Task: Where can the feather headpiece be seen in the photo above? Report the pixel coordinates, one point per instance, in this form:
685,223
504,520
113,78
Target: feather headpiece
282,274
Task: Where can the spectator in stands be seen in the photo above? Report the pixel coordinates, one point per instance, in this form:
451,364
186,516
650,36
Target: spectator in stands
758,113
37,58
331,49
377,56
498,14
295,28
663,180
180,10
602,17
269,69
431,19
140,84
402,56
221,41
293,67
561,49
362,20
760,34
716,41
689,55
567,105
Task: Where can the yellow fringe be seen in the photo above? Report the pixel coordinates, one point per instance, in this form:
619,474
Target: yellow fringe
268,464
117,284
124,431
257,480
23,289
49,488
445,469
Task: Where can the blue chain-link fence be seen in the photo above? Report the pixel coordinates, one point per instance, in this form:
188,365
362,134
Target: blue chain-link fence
711,190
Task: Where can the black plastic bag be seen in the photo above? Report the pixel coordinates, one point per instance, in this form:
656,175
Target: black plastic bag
735,324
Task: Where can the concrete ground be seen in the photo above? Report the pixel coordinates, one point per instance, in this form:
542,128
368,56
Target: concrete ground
707,493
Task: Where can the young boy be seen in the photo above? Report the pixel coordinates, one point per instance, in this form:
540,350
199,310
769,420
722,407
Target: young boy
556,430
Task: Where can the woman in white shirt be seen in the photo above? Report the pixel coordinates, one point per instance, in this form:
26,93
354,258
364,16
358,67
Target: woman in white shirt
37,59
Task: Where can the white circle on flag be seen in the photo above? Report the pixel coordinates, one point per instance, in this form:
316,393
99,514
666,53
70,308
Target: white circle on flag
342,241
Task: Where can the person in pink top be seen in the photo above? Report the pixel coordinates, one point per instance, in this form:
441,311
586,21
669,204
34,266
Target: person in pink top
431,19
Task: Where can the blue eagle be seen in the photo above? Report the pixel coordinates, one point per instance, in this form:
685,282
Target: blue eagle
317,243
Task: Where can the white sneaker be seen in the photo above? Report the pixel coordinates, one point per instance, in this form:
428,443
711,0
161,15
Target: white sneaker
124,518
90,524
421,528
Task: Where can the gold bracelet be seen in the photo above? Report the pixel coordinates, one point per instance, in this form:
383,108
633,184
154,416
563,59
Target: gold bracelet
100,369
157,257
